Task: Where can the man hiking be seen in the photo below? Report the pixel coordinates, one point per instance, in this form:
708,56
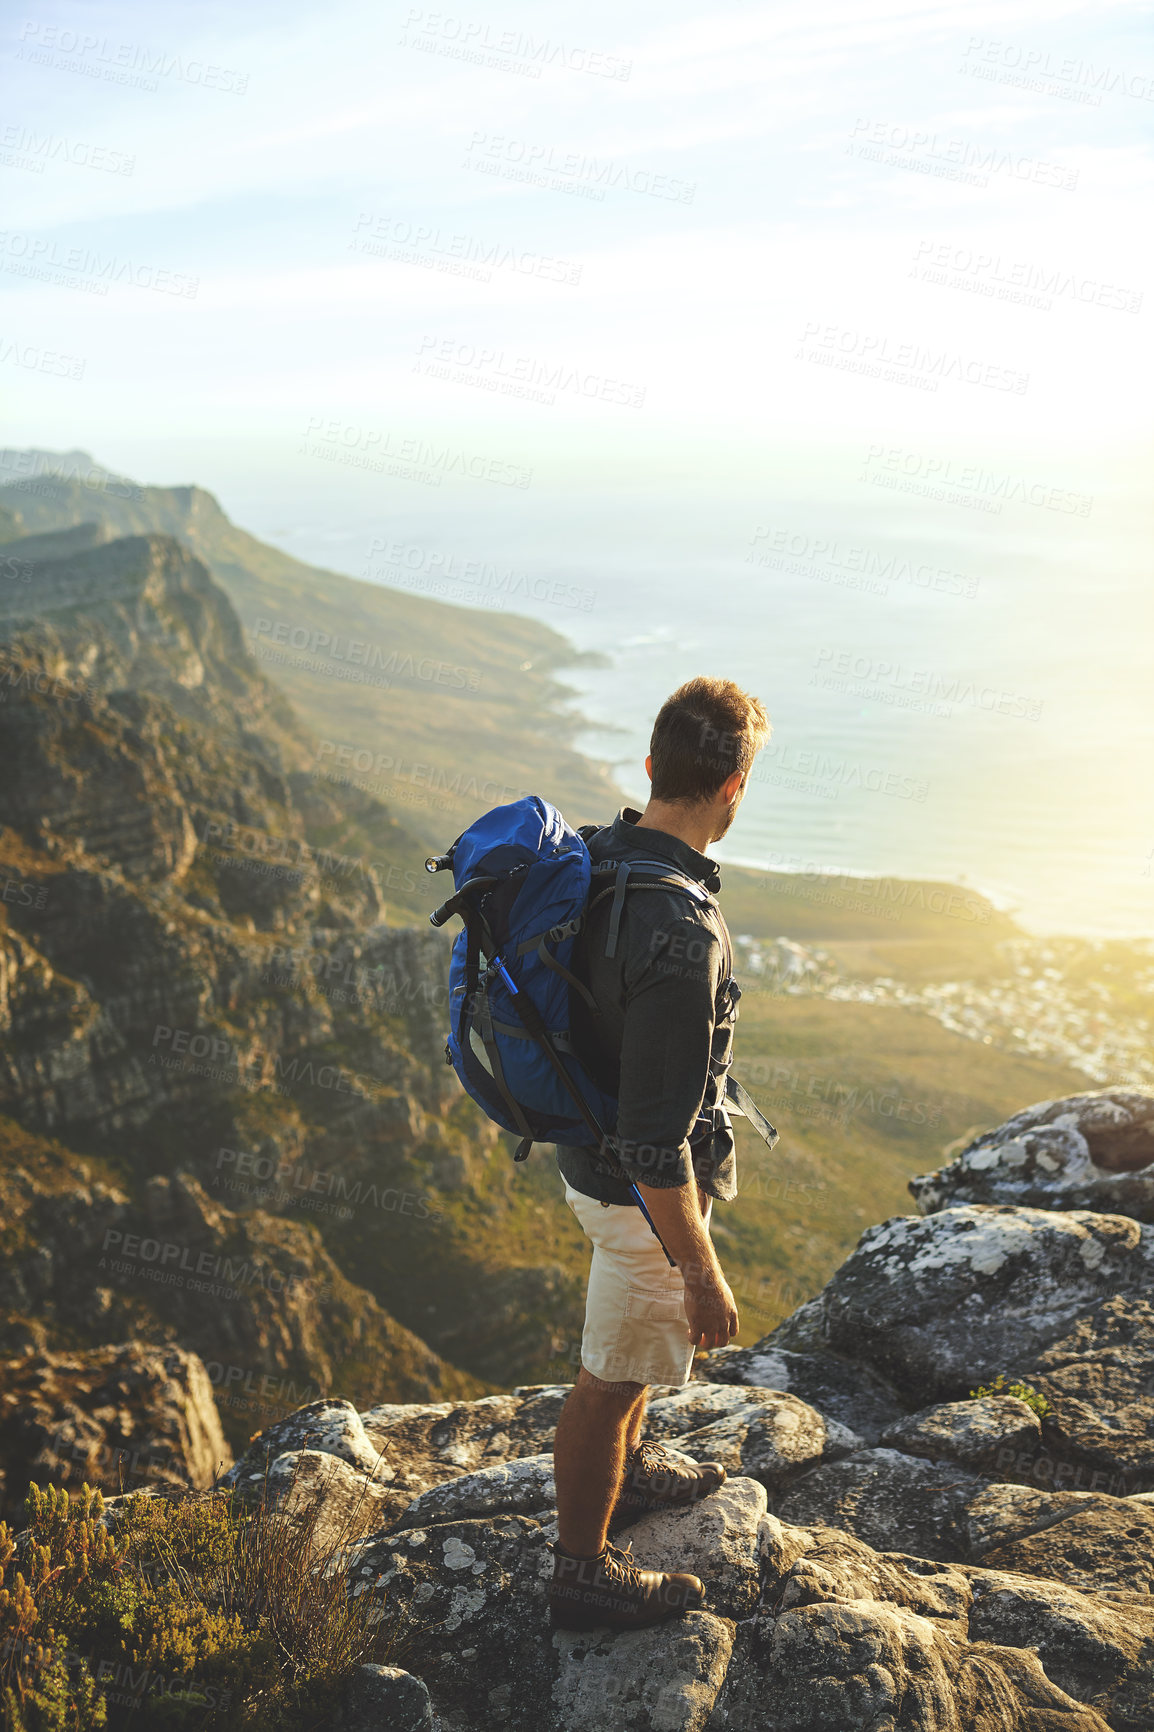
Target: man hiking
661,1040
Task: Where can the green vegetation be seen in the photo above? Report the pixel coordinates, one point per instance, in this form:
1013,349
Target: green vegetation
1023,1391
192,1612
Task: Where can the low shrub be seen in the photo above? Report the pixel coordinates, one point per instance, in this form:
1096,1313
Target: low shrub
187,1611
1024,1392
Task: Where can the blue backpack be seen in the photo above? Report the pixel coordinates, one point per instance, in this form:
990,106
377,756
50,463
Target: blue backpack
523,880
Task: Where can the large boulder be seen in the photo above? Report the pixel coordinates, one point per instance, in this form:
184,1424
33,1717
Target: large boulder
717,1539
940,1304
522,1487
121,1418
987,1434
1092,1151
944,1304
381,1697
893,1502
332,1427
655,1680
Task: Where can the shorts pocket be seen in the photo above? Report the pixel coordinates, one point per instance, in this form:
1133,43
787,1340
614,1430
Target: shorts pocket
654,1308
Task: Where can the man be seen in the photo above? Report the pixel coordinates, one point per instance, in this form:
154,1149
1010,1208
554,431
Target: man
660,1039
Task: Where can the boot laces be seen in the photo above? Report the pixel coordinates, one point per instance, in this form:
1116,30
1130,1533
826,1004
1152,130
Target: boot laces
651,1458
622,1566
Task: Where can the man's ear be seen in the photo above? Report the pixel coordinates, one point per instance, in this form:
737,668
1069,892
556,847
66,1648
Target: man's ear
649,766
732,785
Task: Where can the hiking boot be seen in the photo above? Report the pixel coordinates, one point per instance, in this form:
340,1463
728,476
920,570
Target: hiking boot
654,1480
611,1591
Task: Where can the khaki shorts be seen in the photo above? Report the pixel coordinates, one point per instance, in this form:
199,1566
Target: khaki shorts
636,1330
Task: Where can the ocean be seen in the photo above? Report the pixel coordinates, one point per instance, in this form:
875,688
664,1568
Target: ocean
958,680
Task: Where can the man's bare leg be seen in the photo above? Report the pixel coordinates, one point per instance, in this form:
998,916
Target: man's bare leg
636,1421
593,1431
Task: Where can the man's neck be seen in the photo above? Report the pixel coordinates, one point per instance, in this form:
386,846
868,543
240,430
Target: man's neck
692,824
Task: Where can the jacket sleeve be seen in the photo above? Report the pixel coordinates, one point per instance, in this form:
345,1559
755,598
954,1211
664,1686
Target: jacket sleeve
670,1000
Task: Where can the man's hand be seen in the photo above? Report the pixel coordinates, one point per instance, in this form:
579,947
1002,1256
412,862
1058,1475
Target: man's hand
678,1214
711,1311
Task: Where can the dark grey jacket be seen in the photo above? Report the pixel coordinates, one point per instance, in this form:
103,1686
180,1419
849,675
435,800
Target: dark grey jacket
662,1037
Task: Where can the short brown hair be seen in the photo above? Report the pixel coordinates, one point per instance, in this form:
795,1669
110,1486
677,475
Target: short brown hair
703,733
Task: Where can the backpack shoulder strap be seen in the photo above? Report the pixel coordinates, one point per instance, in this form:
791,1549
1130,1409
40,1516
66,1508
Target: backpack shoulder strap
652,875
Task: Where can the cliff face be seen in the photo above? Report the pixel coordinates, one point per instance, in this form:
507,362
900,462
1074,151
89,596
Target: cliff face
444,706
198,993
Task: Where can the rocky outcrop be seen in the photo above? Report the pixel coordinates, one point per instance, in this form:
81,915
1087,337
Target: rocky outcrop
1092,1151
142,614
257,1296
976,1433
971,1564
942,1305
807,1627
116,1417
197,984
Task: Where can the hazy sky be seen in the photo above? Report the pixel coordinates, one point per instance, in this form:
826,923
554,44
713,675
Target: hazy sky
640,284
714,225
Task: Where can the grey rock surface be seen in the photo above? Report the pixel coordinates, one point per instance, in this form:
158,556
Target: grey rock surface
663,1679
698,1405
848,1393
854,1642
1093,1542
717,1539
523,1487
1092,1151
385,1699
1060,1301
1098,1650
942,1304
988,1434
890,1501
